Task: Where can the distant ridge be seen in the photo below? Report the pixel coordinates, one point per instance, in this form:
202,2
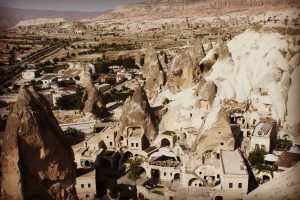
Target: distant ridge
173,8
11,16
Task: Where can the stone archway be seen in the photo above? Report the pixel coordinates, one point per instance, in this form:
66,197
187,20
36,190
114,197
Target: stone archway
165,142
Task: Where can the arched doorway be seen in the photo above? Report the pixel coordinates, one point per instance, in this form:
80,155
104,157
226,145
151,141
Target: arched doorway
155,173
141,196
265,178
88,163
176,176
218,198
165,143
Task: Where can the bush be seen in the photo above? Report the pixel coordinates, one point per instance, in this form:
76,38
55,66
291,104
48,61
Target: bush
100,112
257,161
166,101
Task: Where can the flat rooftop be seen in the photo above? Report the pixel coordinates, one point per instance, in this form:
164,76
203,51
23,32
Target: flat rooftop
288,159
262,129
109,130
95,138
233,163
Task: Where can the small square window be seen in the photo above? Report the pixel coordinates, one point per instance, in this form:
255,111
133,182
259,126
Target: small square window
240,185
165,173
230,185
137,144
89,185
82,185
110,143
218,175
132,144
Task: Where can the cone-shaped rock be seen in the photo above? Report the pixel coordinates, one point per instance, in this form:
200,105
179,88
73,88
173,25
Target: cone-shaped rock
37,163
137,113
183,73
153,73
91,98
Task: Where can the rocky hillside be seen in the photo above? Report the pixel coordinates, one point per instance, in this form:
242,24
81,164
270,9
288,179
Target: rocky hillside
262,68
37,163
168,8
284,186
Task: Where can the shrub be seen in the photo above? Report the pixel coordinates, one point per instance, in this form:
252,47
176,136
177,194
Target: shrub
100,112
166,101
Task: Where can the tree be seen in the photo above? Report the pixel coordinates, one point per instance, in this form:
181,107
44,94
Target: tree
100,112
135,170
256,159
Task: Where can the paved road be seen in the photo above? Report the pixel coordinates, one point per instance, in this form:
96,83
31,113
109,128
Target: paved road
17,68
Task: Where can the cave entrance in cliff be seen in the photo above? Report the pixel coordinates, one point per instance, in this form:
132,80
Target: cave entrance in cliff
165,143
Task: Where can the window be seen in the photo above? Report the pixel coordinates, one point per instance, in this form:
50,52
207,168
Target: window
165,173
200,172
87,196
107,137
110,143
230,185
137,144
218,175
222,143
171,174
240,185
132,144
82,185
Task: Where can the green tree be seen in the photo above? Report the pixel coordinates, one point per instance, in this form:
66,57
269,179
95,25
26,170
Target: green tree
135,170
100,112
256,159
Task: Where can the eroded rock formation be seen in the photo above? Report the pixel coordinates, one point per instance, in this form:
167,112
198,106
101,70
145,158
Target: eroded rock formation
91,98
215,134
183,73
206,94
137,113
153,73
37,163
